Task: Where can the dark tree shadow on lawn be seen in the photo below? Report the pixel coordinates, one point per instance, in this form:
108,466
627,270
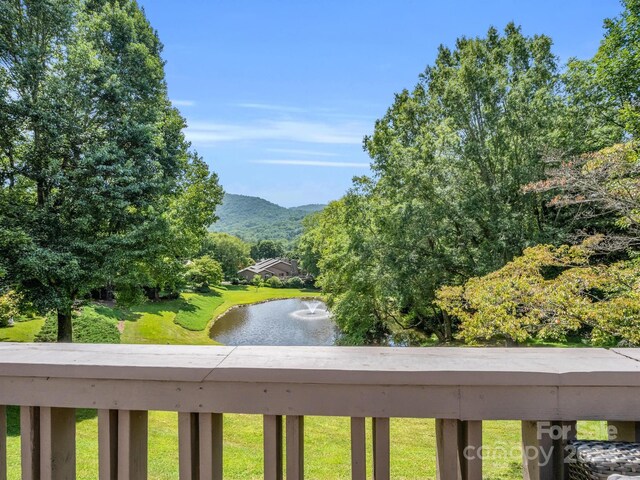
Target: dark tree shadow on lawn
116,313
13,418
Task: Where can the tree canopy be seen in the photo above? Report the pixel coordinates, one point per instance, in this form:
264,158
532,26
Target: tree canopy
232,253
97,184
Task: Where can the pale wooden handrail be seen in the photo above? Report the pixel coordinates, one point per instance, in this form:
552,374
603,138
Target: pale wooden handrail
459,387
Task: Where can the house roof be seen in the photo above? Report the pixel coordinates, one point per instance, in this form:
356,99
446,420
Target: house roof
265,265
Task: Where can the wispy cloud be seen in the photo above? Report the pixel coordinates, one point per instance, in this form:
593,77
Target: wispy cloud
284,130
270,106
295,151
183,103
313,163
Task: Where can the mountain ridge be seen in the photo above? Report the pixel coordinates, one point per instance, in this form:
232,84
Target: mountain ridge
254,218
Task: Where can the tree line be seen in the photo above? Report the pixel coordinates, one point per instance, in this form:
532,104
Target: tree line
503,204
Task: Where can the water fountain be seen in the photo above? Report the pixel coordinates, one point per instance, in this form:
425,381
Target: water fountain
313,311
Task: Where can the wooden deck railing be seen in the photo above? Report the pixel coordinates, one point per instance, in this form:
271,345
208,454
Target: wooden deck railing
459,387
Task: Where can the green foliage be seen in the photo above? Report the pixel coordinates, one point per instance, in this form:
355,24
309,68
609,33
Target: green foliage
307,247
253,219
232,253
267,249
600,189
519,303
295,282
204,272
450,159
88,327
8,307
617,66
257,281
275,282
97,186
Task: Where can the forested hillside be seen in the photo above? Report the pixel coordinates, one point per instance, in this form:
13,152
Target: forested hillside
254,218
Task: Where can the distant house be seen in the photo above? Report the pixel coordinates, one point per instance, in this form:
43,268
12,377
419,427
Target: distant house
272,267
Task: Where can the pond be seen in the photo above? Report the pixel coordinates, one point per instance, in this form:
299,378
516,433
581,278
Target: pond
290,322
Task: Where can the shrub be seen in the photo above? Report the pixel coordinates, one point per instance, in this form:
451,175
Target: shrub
88,327
204,271
274,282
257,281
8,307
295,282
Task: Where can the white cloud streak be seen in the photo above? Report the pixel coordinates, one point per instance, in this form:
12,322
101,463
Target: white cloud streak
313,163
295,151
183,103
345,133
269,106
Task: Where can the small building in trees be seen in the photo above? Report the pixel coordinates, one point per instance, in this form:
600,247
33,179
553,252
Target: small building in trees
272,267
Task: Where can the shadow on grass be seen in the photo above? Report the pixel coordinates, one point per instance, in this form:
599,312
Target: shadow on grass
13,418
116,313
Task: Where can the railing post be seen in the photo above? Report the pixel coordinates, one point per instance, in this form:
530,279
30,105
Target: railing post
448,449
273,447
30,442
624,431
381,449
132,444
3,442
57,443
358,449
544,449
295,447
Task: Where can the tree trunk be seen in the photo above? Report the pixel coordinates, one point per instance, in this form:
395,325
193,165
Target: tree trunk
447,327
65,329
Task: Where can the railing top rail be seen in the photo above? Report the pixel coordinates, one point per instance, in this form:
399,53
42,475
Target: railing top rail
331,365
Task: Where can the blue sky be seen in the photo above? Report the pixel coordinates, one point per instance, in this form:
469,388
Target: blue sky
279,94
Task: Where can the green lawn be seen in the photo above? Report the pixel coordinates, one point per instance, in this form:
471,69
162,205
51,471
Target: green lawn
23,331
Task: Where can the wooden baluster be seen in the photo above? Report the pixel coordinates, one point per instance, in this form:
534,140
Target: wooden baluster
273,447
358,449
295,447
189,446
458,449
543,449
200,437
132,444
381,449
30,442
210,450
472,456
3,442
57,443
448,453
108,444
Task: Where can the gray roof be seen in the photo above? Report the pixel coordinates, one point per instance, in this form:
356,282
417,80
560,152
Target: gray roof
264,265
